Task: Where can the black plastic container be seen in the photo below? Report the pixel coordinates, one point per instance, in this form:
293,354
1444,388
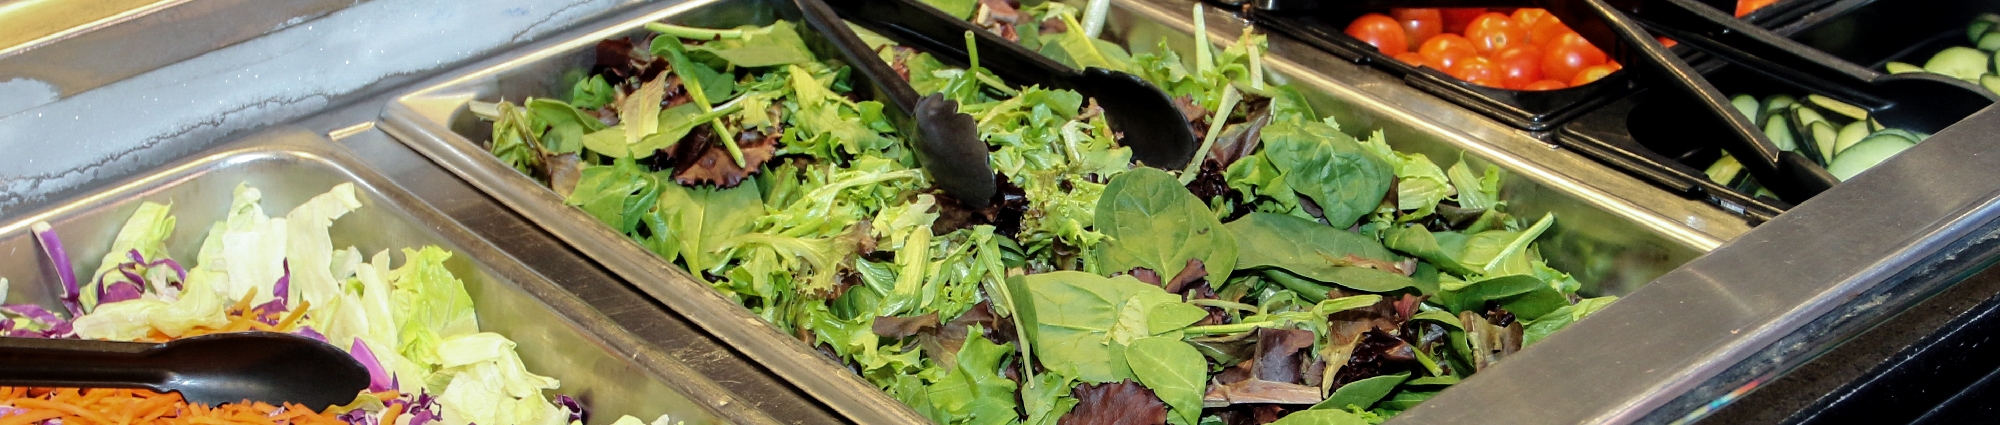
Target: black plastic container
1527,110
1647,134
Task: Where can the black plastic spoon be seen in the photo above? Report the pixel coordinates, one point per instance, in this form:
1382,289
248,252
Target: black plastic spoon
211,369
1152,125
946,141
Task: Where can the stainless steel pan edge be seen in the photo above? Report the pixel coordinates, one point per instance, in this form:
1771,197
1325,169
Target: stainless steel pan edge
567,339
814,373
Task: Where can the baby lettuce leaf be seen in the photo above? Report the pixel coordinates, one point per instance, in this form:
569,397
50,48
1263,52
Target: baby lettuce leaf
975,389
1420,184
1155,223
1556,320
567,125
1363,393
1329,167
705,217
1175,372
1476,192
778,44
1049,398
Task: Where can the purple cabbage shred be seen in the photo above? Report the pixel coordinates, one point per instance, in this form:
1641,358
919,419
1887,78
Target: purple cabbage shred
52,247
378,378
575,409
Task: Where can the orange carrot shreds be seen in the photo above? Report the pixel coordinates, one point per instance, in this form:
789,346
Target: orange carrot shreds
293,317
243,304
64,408
32,416
394,413
386,395
155,405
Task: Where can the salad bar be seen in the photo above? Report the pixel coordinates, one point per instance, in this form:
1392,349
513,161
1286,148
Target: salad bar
994,211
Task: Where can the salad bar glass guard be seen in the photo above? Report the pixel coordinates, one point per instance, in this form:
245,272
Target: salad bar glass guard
700,212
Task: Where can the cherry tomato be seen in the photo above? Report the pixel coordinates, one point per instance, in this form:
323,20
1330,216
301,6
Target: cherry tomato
1744,7
1519,65
1527,16
1568,54
1545,30
1456,18
1446,50
1414,58
1591,74
1380,31
1419,24
1478,70
1492,32
1545,85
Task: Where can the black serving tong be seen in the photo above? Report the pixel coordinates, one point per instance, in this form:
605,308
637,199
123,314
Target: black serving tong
946,141
1919,102
211,369
1150,122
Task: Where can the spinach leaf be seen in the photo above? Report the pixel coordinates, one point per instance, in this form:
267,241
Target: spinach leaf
1461,296
1433,381
1328,167
1322,417
705,217
1436,248
1406,399
778,44
1154,222
1173,370
1303,247
567,124
1533,304
616,194
1083,322
1363,393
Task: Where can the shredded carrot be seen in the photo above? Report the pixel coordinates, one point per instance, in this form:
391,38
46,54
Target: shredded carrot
243,304
124,406
395,412
298,312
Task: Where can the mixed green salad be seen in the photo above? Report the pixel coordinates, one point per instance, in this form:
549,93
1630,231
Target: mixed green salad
1293,273
413,326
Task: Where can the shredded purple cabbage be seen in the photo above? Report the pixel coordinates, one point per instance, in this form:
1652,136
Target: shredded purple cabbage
52,246
424,411
283,289
11,411
116,292
269,312
575,409
308,332
378,378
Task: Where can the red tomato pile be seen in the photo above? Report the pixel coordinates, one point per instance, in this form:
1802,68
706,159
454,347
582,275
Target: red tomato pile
1529,50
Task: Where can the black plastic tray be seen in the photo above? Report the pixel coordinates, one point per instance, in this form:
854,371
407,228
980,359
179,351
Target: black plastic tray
1645,134
1527,110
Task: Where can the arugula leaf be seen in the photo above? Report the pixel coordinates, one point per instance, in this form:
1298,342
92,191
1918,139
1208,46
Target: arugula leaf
1329,167
1363,393
1154,222
777,44
1173,370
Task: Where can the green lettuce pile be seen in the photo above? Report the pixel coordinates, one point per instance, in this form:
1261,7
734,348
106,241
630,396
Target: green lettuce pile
1293,271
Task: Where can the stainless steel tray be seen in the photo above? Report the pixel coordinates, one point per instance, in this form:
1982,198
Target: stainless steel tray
1613,231
599,363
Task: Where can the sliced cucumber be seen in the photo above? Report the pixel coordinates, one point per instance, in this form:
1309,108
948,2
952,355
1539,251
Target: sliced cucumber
1980,26
1910,136
1774,106
1874,126
1780,132
1837,107
1964,63
1990,82
1849,135
1824,139
1902,68
1867,154
1725,170
1807,116
1988,42
1746,104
